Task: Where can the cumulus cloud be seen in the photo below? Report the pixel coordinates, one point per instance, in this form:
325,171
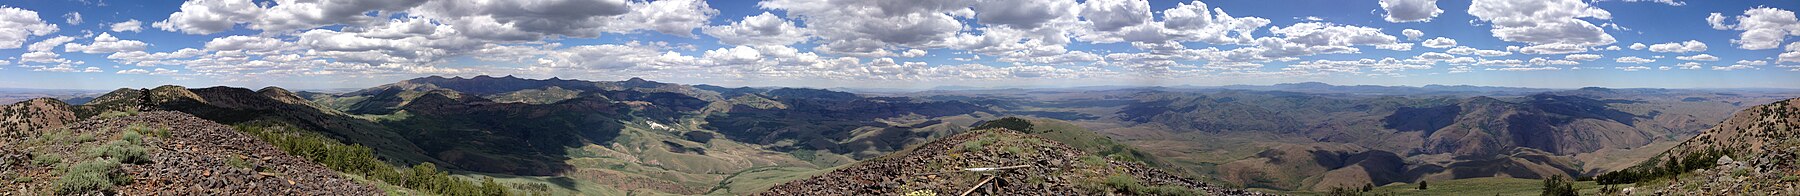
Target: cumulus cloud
1792,54
106,43
132,25
1638,46
1465,50
49,44
1410,10
1764,27
246,43
1412,34
73,18
1582,57
1742,64
1023,14
1557,48
157,71
1634,60
870,28
1543,21
1668,2
20,24
1679,47
1112,15
1190,21
496,20
763,29
1699,57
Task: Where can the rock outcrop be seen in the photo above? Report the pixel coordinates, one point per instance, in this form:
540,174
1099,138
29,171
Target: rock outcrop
179,155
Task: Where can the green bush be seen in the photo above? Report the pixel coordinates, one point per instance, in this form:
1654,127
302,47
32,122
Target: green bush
85,137
1558,186
1013,123
46,159
1131,185
124,151
360,160
91,175
133,137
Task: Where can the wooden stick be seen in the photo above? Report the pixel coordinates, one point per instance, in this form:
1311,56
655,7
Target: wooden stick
977,186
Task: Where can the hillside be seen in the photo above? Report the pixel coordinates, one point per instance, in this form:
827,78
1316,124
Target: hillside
155,153
1039,166
1752,153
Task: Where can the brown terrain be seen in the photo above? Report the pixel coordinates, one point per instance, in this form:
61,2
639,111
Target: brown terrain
180,155
1041,167
1762,148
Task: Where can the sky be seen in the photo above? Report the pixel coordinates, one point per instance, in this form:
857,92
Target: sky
913,44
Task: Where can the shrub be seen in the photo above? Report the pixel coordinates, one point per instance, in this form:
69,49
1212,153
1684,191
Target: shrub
133,137
85,137
1013,123
1131,186
91,175
921,193
46,159
1558,186
360,160
121,150
1422,185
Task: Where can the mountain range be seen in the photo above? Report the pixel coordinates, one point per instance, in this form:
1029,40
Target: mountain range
559,136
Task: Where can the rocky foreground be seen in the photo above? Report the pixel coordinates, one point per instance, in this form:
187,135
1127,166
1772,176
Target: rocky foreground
1037,167
159,153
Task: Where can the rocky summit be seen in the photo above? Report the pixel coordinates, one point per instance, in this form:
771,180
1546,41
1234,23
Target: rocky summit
997,162
160,153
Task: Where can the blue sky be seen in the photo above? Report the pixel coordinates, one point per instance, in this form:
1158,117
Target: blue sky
903,44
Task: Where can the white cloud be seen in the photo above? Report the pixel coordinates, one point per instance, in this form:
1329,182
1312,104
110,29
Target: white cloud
1543,21
1412,34
128,26
1792,54
1638,46
872,28
1190,21
1410,10
49,44
106,43
1634,60
1439,42
20,24
1689,65
246,43
633,56
763,29
1553,49
1113,15
1582,57
1679,47
1633,68
1699,57
1326,38
1669,2
1764,27
492,20
1465,50
1023,14
209,16
157,71
141,58
73,18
